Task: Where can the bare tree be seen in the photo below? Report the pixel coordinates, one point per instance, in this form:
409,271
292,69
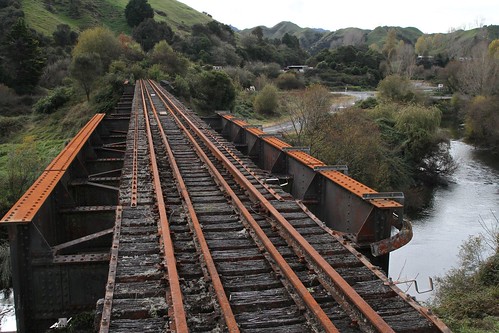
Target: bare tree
404,60
308,109
479,75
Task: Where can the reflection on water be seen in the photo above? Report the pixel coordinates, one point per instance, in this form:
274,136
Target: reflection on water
452,217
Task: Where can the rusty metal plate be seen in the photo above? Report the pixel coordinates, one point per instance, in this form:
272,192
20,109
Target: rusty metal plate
28,205
279,144
305,158
255,131
358,189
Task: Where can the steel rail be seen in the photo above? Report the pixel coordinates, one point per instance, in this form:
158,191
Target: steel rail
179,316
245,167
223,301
378,248
342,291
133,199
286,269
383,246
111,279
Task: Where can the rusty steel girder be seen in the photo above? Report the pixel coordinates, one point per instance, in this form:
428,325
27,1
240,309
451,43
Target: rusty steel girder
344,204
60,230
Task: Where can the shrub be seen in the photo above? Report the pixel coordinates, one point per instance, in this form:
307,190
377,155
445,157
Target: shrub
11,125
395,88
57,98
12,104
289,81
266,102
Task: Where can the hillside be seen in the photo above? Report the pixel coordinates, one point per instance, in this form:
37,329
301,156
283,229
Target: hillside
306,36
44,16
460,43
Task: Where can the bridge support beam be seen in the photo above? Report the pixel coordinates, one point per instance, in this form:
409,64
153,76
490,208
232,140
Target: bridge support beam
332,196
59,230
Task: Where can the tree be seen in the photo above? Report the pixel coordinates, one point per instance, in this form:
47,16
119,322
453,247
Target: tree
64,36
395,88
213,90
136,11
131,49
404,62
150,32
25,60
86,69
390,46
482,121
289,81
370,162
266,102
494,49
480,74
101,41
290,41
74,8
258,32
308,109
172,62
423,45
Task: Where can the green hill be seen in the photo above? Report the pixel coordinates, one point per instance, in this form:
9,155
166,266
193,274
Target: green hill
460,43
44,16
306,36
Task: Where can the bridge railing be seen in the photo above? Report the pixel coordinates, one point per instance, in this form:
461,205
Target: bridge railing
344,204
60,230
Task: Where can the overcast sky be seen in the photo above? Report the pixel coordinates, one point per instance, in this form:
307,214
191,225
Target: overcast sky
430,16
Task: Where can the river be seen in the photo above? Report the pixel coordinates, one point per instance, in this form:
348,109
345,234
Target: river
453,215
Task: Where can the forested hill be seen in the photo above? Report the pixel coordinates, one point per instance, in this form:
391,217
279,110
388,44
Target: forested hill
44,16
457,43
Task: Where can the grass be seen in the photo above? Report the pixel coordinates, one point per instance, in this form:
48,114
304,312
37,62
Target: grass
109,13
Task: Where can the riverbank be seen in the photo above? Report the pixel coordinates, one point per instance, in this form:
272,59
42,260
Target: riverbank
453,215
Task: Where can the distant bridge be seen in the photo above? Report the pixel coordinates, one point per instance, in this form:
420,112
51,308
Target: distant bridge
160,223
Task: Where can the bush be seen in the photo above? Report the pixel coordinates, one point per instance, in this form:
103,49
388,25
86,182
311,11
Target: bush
11,104
489,271
482,121
11,125
57,98
289,81
156,73
466,296
266,102
395,88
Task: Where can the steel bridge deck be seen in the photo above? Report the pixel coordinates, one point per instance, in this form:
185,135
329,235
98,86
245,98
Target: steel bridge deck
195,236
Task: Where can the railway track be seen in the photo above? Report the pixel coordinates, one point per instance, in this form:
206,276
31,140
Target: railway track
203,243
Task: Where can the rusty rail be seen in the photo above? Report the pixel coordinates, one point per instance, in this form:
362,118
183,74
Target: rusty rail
311,303
180,321
210,264
366,200
345,290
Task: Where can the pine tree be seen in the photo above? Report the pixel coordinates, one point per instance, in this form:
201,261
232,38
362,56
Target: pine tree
24,58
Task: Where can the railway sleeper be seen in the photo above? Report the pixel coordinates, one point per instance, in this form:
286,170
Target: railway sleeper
144,325
270,318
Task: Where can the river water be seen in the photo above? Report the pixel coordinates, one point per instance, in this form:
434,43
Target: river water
453,215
